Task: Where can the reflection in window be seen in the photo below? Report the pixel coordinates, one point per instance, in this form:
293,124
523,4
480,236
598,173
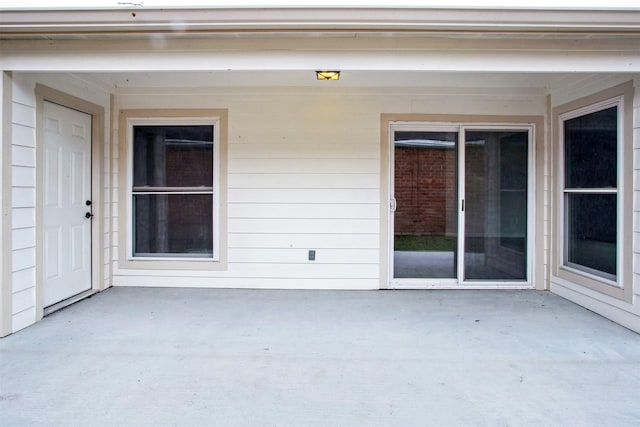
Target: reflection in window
173,191
496,177
426,217
590,192
592,231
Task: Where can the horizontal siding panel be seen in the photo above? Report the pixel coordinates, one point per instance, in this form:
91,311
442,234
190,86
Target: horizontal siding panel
23,217
300,256
23,258
267,270
23,319
23,156
299,195
273,271
23,197
304,150
304,165
24,279
23,238
294,226
23,176
23,135
290,112
246,283
308,181
301,240
303,210
309,270
22,92
23,300
23,115
305,132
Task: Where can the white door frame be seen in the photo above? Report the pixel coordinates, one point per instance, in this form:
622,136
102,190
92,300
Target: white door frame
44,93
463,122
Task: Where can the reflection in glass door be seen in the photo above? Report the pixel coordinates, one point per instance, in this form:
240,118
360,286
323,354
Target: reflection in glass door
458,190
495,194
426,218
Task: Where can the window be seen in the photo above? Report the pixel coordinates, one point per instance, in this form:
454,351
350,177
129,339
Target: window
171,191
590,190
594,203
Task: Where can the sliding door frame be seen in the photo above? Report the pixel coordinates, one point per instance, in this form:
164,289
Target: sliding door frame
534,125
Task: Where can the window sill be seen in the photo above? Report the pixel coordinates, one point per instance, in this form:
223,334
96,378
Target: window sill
198,264
599,284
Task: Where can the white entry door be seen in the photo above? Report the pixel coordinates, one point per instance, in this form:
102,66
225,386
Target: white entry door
67,203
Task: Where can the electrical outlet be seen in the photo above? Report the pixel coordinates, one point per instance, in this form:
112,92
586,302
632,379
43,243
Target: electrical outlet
312,255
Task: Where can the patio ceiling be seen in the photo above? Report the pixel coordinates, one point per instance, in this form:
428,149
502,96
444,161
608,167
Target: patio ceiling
530,83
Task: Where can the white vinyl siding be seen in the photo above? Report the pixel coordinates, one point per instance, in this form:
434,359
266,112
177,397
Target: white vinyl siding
23,257
303,174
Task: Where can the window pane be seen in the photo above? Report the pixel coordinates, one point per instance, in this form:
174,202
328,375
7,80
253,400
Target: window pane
590,144
173,156
592,231
173,224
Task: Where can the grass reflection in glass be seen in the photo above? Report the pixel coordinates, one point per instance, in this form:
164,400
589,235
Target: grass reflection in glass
417,242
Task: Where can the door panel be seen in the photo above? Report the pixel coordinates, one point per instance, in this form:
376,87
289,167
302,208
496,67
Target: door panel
52,238
425,219
52,176
495,232
67,186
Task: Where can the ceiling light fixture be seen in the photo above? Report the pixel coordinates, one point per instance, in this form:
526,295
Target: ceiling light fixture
328,75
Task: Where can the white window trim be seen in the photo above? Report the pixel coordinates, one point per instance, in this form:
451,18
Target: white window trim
621,287
130,118
181,121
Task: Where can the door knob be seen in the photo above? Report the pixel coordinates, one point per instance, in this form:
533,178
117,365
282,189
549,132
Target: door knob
88,215
88,203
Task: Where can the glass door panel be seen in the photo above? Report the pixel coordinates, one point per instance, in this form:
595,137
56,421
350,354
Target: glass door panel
495,186
426,215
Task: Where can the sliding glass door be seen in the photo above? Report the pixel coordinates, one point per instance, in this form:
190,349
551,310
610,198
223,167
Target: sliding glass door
460,190
426,217
495,204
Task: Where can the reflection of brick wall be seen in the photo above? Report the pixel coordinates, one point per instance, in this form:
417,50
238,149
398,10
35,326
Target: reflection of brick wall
190,216
190,223
189,167
425,191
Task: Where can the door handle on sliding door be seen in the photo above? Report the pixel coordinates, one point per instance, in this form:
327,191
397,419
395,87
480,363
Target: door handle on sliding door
392,204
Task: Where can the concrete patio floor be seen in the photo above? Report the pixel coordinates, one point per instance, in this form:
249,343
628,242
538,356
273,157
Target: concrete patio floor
191,357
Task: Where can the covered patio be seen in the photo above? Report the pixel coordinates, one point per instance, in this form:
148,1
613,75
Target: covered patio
151,356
